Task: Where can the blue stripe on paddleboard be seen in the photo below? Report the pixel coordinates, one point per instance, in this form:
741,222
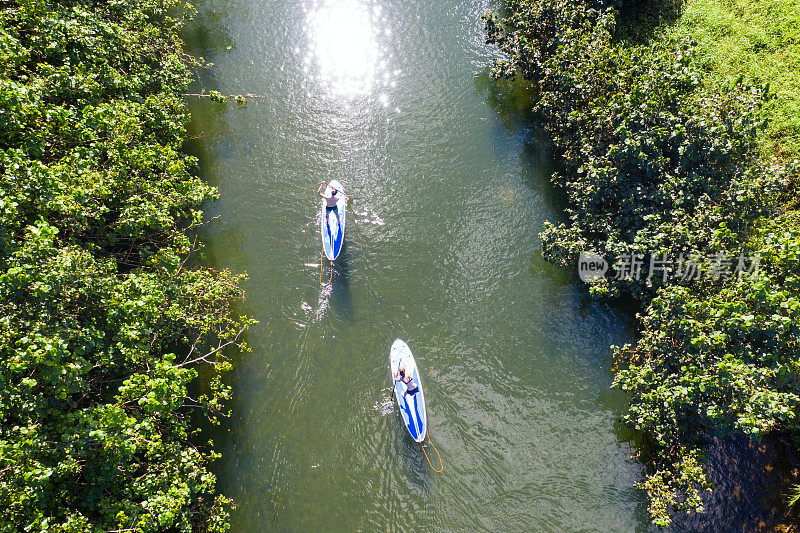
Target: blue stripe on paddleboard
337,244
410,419
333,245
329,240
416,411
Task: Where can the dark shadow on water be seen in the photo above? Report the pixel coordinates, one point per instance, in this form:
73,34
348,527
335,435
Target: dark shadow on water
207,33
341,298
748,478
617,401
541,267
513,100
205,36
625,306
538,166
207,121
419,473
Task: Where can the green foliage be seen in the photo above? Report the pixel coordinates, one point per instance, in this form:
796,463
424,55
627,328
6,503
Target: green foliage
714,364
793,497
652,161
658,158
102,324
664,486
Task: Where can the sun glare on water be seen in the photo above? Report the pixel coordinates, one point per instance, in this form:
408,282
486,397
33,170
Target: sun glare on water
344,46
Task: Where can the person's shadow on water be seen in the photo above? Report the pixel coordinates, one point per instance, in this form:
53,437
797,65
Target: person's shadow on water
341,298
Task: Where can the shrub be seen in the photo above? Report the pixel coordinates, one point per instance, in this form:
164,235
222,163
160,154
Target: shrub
656,162
714,364
652,162
103,324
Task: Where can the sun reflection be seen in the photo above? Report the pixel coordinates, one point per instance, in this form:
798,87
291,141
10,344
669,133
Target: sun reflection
345,47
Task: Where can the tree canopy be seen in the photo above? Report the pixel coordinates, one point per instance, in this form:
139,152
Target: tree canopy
104,325
656,162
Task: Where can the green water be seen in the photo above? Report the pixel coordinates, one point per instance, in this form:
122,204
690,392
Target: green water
450,186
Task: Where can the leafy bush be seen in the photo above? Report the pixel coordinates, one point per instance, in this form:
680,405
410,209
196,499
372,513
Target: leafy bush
714,364
102,323
655,162
652,162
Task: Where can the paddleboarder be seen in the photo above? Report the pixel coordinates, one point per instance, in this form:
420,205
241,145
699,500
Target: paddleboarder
411,387
330,197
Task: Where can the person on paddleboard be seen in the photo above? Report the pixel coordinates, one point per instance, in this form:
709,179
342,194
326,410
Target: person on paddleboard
330,197
411,387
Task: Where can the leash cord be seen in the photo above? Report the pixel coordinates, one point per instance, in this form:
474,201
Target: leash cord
441,465
321,260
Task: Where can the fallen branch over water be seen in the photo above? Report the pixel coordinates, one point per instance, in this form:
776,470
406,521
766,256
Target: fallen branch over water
217,96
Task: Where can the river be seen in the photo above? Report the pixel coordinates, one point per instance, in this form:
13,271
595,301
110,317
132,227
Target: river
450,190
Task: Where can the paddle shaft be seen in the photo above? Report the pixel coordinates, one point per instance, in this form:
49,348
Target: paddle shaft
340,192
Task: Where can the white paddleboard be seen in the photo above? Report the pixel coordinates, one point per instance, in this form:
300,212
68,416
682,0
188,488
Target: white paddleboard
412,406
331,223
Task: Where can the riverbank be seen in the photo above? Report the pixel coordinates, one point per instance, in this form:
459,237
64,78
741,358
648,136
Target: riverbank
104,325
676,171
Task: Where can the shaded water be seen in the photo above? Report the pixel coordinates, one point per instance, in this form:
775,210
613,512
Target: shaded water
450,189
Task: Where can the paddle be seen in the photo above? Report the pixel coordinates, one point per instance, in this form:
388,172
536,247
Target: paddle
337,190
